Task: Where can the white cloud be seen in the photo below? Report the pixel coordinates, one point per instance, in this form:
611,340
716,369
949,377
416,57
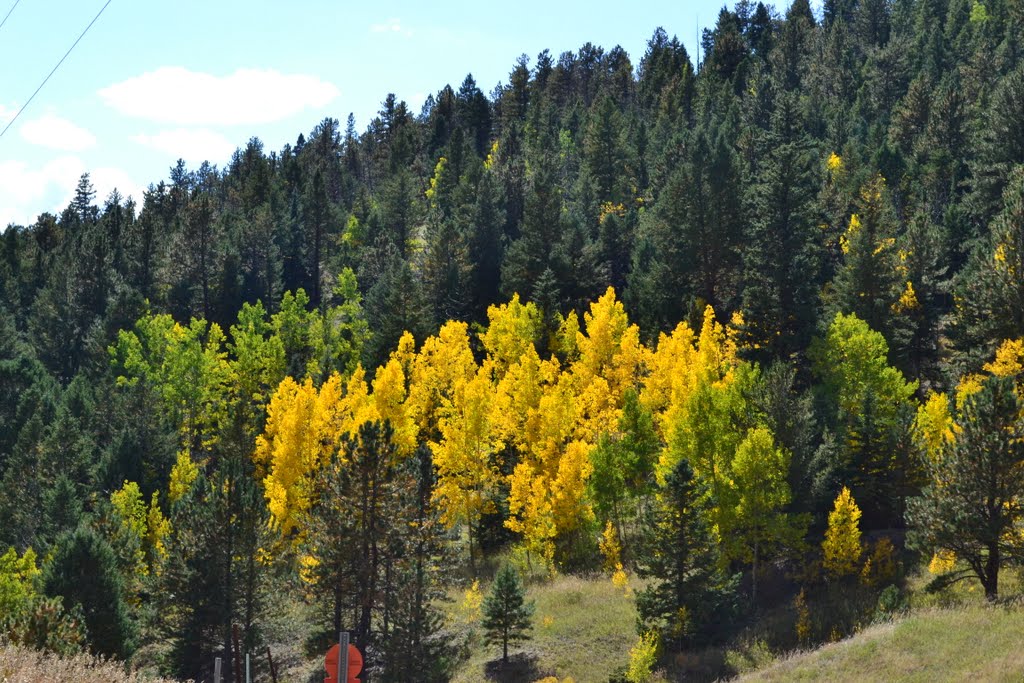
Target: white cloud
178,96
106,178
27,191
56,133
393,25
23,189
194,145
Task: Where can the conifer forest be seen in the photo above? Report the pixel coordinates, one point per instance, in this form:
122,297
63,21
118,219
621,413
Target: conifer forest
740,338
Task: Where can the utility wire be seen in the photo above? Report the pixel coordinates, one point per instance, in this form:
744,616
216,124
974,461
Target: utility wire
54,68
9,13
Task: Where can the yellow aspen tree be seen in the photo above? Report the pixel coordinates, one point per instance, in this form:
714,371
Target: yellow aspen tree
183,475
443,365
1009,359
547,487
389,398
303,428
704,420
759,472
512,332
842,548
467,472
158,528
517,396
670,376
130,526
611,360
356,406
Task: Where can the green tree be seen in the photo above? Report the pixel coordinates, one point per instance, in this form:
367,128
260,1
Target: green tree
867,402
759,471
972,506
867,283
689,599
781,259
83,572
990,301
507,616
623,463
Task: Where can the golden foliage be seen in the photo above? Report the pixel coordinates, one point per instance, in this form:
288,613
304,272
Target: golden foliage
841,547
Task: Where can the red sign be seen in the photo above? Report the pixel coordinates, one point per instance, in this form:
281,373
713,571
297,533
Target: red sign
355,664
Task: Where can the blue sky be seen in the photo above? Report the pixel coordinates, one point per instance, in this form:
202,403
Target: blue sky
152,82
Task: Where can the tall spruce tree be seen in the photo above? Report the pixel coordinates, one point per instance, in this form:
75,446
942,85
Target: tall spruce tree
689,599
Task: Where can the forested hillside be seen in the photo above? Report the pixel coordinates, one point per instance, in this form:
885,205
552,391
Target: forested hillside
743,334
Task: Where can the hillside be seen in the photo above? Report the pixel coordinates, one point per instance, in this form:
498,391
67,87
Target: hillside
968,644
20,665
583,629
747,327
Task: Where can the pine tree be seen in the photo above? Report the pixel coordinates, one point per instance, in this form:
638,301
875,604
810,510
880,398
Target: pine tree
83,572
971,507
507,616
990,301
781,262
689,599
867,284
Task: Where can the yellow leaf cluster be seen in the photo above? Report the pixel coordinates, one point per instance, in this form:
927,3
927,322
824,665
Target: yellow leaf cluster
1009,359
183,475
841,547
303,428
907,301
934,426
610,547
834,164
943,561
851,231
468,476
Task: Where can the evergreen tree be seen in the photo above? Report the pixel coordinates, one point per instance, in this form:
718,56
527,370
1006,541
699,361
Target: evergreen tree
780,260
866,284
689,599
971,505
83,572
990,301
506,614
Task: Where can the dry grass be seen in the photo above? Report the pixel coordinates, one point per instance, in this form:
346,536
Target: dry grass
583,628
19,665
975,643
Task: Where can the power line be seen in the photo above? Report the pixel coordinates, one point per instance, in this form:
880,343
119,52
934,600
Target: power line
54,68
9,13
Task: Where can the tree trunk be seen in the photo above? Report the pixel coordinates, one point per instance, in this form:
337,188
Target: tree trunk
753,578
991,582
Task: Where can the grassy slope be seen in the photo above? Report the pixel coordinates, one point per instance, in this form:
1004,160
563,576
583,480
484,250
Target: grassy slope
583,629
18,665
971,643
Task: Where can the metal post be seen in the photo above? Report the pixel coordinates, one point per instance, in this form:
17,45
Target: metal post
343,657
216,670
248,677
